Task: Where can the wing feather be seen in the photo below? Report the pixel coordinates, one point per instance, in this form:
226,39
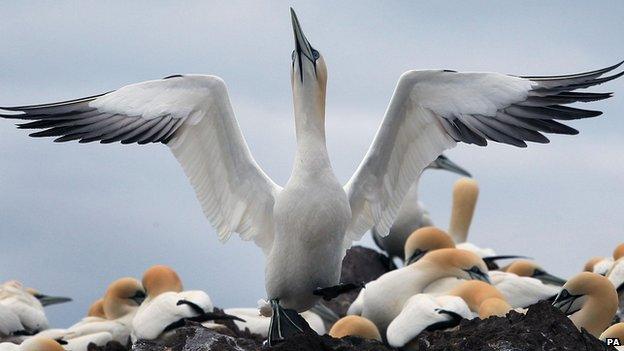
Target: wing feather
432,110
193,116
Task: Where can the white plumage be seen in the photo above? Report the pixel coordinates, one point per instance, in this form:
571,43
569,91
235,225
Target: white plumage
305,227
522,291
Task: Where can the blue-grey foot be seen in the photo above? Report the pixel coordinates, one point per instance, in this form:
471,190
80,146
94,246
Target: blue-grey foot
332,292
285,323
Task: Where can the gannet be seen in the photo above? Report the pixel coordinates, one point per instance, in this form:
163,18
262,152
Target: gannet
522,291
527,268
33,344
425,240
422,312
27,305
305,241
604,264
590,300
108,319
383,298
355,326
10,324
167,306
259,324
615,331
411,215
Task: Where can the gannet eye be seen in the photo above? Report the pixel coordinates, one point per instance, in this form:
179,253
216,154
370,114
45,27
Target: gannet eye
315,54
293,55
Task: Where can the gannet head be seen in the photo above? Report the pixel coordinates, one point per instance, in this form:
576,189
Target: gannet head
589,265
424,240
443,162
482,298
122,297
614,331
526,268
590,300
47,300
308,70
160,279
97,309
458,263
355,326
618,252
37,343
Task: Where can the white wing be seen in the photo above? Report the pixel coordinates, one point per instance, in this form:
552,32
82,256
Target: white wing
191,114
432,110
522,291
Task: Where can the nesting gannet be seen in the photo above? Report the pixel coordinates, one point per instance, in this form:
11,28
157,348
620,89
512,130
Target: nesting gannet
615,331
33,344
27,305
422,312
590,301
167,306
259,324
355,326
10,324
527,268
411,215
383,298
305,241
425,240
521,291
604,264
107,320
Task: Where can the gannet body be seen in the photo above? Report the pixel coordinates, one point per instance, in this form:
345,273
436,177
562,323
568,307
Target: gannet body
522,291
10,323
426,312
429,112
24,305
470,299
590,300
384,298
109,319
412,214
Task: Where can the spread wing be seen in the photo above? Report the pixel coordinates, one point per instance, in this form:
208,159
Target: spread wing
431,111
192,115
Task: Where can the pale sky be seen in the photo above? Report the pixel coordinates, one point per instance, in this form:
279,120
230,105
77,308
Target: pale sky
75,217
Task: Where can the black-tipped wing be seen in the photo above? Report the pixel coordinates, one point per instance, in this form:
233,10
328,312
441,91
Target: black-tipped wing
193,116
432,110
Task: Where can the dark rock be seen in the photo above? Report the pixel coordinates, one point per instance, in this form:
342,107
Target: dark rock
308,342
111,346
542,328
360,265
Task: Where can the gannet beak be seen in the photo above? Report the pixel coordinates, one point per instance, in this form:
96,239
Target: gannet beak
564,302
443,162
477,274
302,46
490,261
139,297
417,255
548,278
51,300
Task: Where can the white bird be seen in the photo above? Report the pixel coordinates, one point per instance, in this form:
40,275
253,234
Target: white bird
167,306
422,312
602,265
27,304
411,215
527,268
108,320
10,324
522,291
590,300
305,241
383,299
33,344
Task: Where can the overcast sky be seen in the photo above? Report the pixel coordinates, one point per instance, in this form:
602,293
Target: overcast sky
75,217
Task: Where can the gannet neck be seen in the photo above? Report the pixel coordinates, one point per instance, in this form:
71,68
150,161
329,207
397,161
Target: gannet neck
465,194
309,103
